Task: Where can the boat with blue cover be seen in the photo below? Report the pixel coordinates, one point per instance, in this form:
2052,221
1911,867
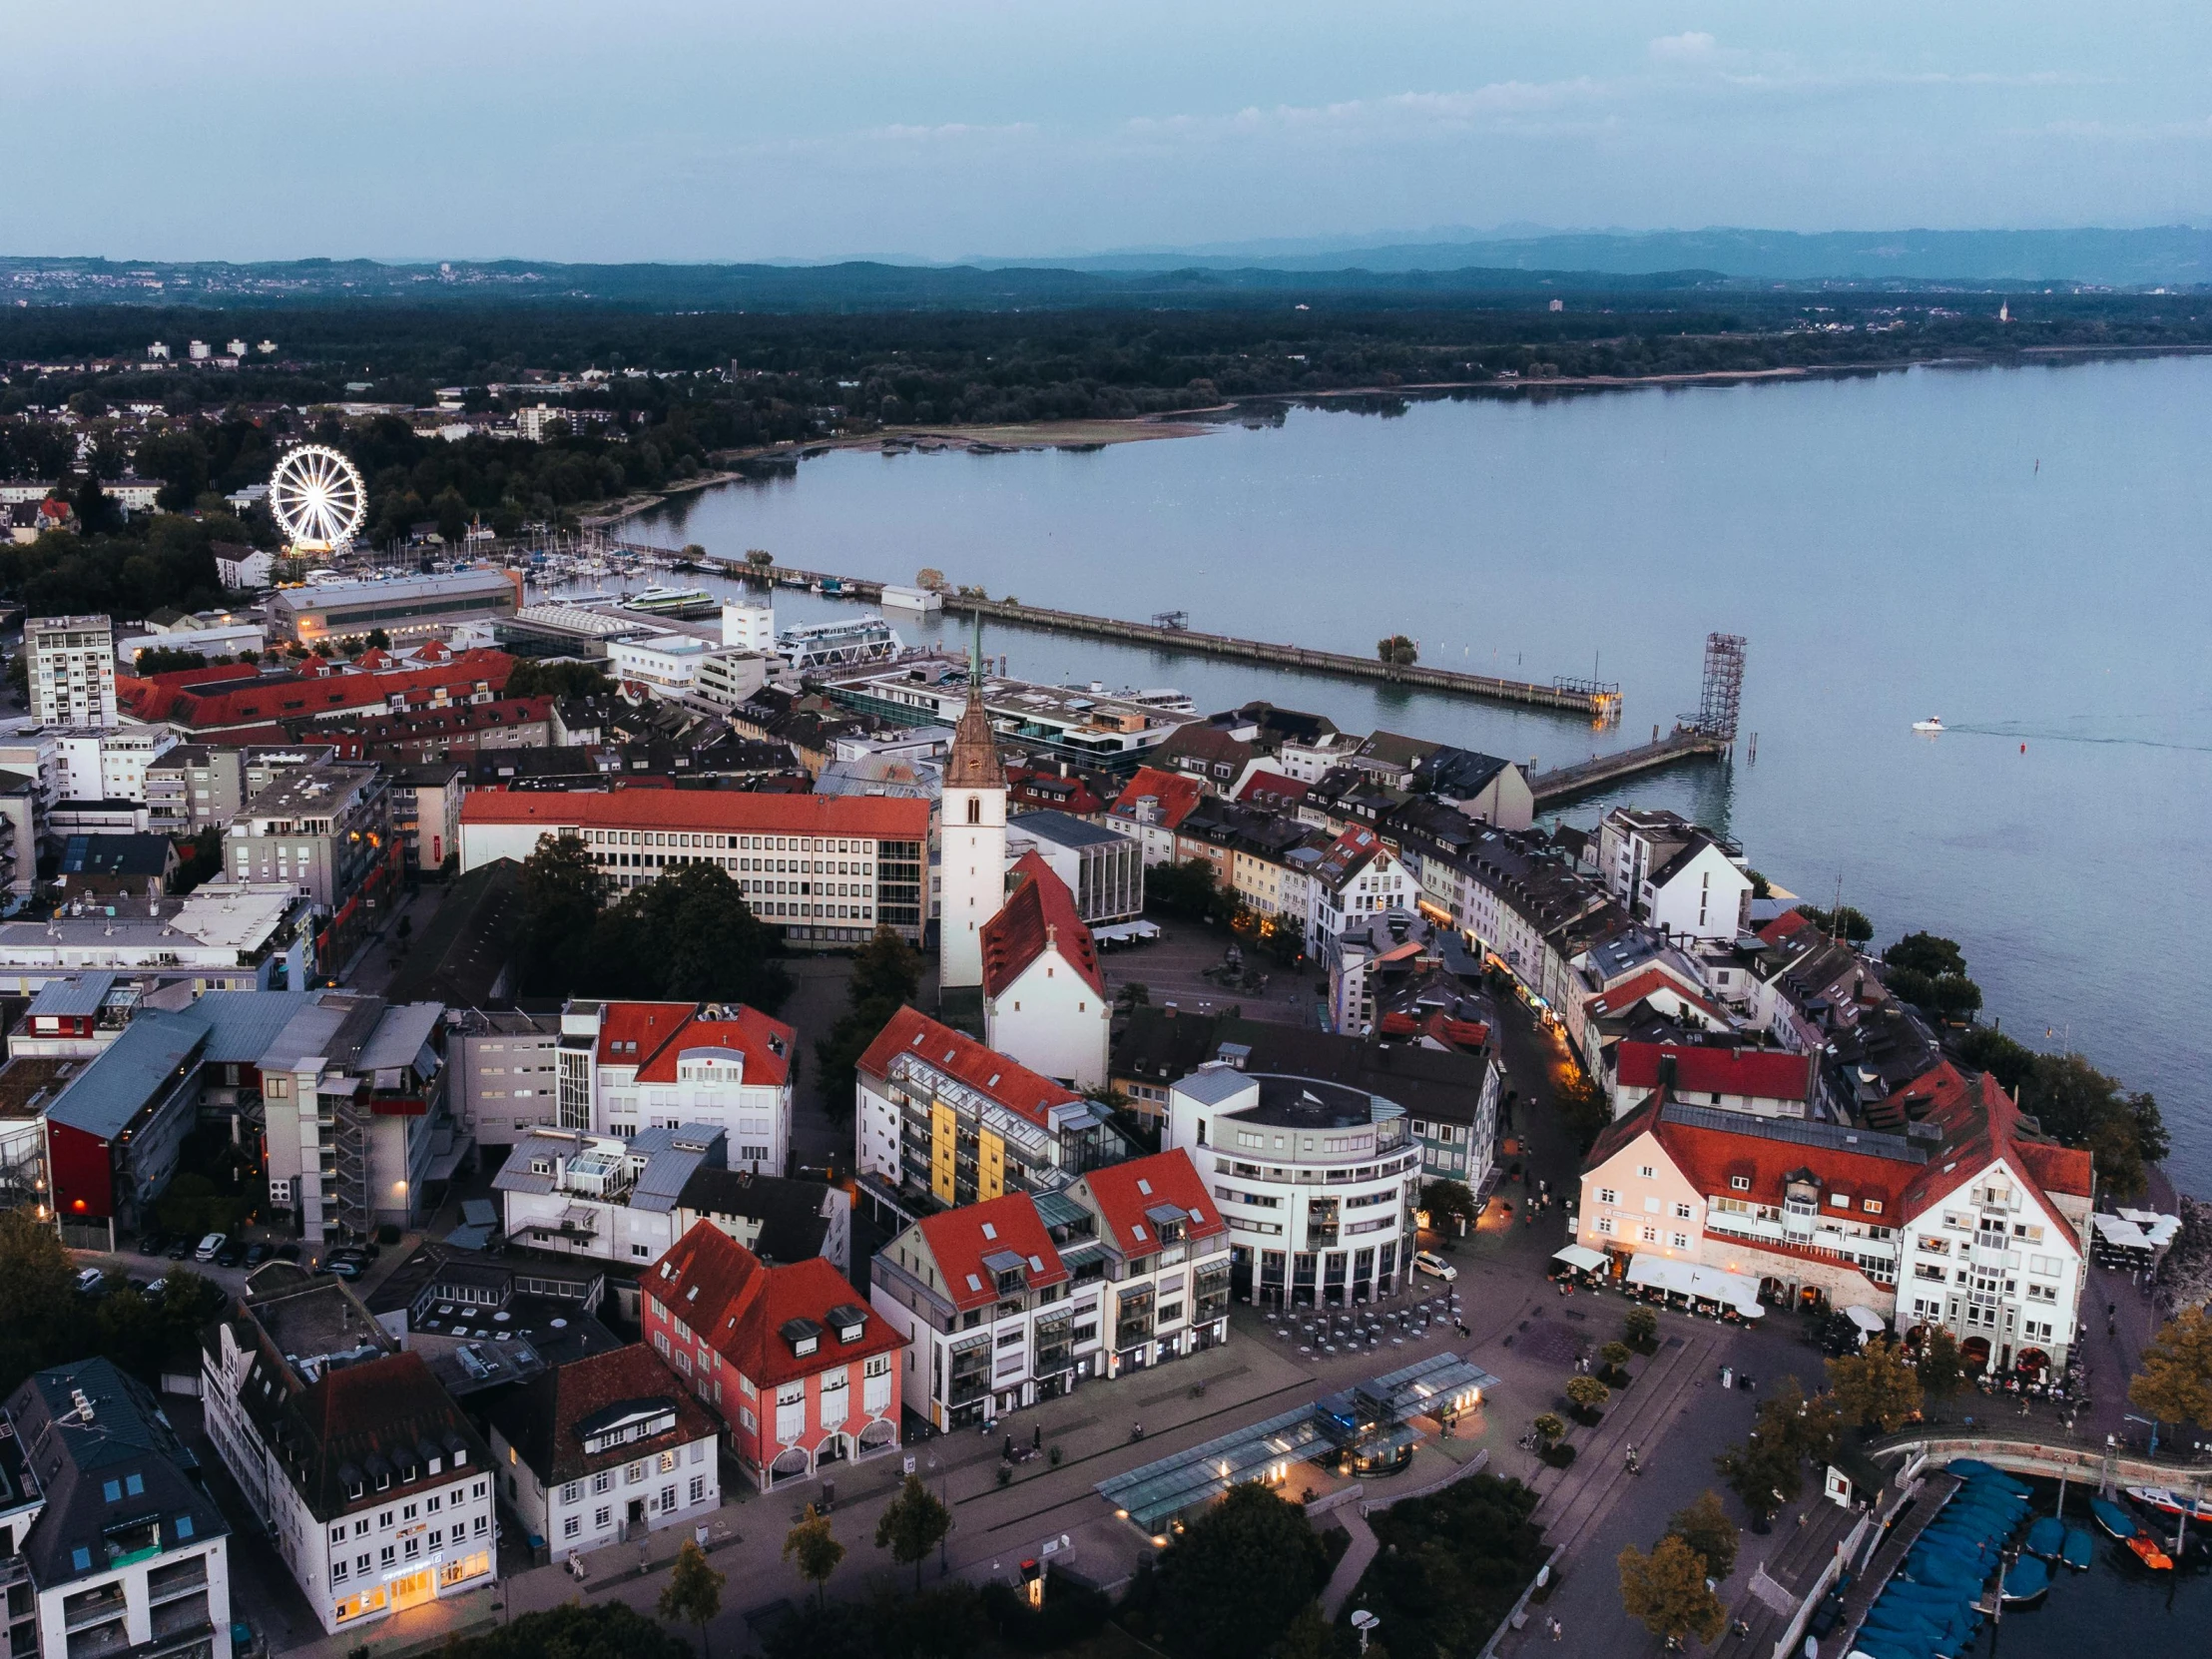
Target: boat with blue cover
2114,1518
2027,1580
1974,1469
2079,1550
2047,1536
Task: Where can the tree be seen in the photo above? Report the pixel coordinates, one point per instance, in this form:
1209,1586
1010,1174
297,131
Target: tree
759,558
1231,1582
163,660
1183,890
1135,993
1397,651
1450,1569
1583,1109
1927,953
1666,1592
1846,922
930,579
815,1550
379,640
1940,1370
2082,1106
1641,1327
1613,1361
694,1592
1444,1200
1588,1395
1875,1388
912,1525
530,678
687,937
886,972
1763,1472
606,1630
1705,1529
561,891
2175,1384
450,508
1808,1427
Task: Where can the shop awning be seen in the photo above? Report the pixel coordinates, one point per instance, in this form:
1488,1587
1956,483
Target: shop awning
1730,1290
1580,1256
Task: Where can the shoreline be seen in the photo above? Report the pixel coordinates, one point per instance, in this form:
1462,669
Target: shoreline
1091,434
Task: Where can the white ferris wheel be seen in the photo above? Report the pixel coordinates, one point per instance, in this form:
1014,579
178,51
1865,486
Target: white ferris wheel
319,498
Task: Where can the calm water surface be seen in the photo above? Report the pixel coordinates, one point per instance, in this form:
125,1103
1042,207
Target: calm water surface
2022,551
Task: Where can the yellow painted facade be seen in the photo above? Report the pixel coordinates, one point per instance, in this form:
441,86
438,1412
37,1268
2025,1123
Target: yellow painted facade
990,1166
945,1137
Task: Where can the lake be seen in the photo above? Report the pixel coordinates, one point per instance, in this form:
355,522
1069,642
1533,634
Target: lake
2019,550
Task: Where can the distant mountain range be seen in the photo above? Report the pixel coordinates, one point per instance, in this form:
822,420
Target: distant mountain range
2171,254
1390,273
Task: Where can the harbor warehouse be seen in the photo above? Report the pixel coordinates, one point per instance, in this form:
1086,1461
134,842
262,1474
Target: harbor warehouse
827,869
403,606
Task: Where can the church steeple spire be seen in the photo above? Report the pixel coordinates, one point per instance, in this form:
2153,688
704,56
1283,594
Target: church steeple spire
973,762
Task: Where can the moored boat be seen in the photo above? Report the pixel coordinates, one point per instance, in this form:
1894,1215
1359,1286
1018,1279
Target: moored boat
2115,1520
2169,1502
2047,1536
2079,1549
2147,1551
2027,1580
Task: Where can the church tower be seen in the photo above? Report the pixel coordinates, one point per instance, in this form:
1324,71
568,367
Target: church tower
972,840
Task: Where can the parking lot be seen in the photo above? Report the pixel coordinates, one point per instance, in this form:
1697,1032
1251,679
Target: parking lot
1171,969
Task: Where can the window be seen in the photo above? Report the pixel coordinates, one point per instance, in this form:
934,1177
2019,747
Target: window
1681,1241
570,1492
337,1572
632,1474
667,1500
1646,1171
573,1526
387,1555
1739,1183
1681,1211
1871,1206
1651,1234
1605,1225
603,1481
1606,1195
699,1489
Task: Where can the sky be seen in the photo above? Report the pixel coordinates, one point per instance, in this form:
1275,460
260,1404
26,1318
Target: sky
688,130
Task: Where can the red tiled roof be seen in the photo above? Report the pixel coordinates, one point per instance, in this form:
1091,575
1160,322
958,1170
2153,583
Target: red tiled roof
1783,926
653,1037
1651,981
1762,1074
985,1071
1713,1160
738,1305
1039,916
1439,1026
719,811
960,1239
1124,1193
388,1409
1176,794
1272,788
311,690
358,736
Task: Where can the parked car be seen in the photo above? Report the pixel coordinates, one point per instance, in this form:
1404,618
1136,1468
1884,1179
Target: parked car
213,1242
288,1252
227,1257
1428,1261
152,1244
344,1267
255,1254
178,1248
90,1282
153,1292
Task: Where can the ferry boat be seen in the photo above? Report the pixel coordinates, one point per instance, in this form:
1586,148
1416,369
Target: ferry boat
674,602
1932,725
866,639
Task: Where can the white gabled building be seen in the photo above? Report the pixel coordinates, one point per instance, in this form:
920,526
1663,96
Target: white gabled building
603,1451
1044,998
1686,881
1357,880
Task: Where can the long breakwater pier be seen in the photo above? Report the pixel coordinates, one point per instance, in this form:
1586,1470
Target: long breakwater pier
1563,783
1597,701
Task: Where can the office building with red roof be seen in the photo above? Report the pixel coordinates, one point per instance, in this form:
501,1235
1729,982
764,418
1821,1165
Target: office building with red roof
1044,998
942,1119
802,1373
624,1067
207,703
1967,1217
825,871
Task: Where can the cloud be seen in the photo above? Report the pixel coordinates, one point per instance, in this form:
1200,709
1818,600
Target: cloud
1694,47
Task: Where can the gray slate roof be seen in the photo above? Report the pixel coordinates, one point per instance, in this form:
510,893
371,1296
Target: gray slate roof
110,1091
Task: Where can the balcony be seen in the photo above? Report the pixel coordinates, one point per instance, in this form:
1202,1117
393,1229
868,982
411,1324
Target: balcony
176,1579
100,1642
91,1607
183,1618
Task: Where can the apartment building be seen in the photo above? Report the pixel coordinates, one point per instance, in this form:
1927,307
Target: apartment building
71,669
1166,1252
802,1371
505,1065
325,828
192,785
603,1450
630,1066
115,1545
629,1200
942,1119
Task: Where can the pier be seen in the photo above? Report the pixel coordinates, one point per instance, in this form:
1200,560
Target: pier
1682,744
1599,702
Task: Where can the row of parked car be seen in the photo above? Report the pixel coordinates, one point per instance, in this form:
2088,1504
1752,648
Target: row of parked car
345,1261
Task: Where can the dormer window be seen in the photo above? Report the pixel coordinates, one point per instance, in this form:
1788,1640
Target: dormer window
803,1335
849,1321
1739,1183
